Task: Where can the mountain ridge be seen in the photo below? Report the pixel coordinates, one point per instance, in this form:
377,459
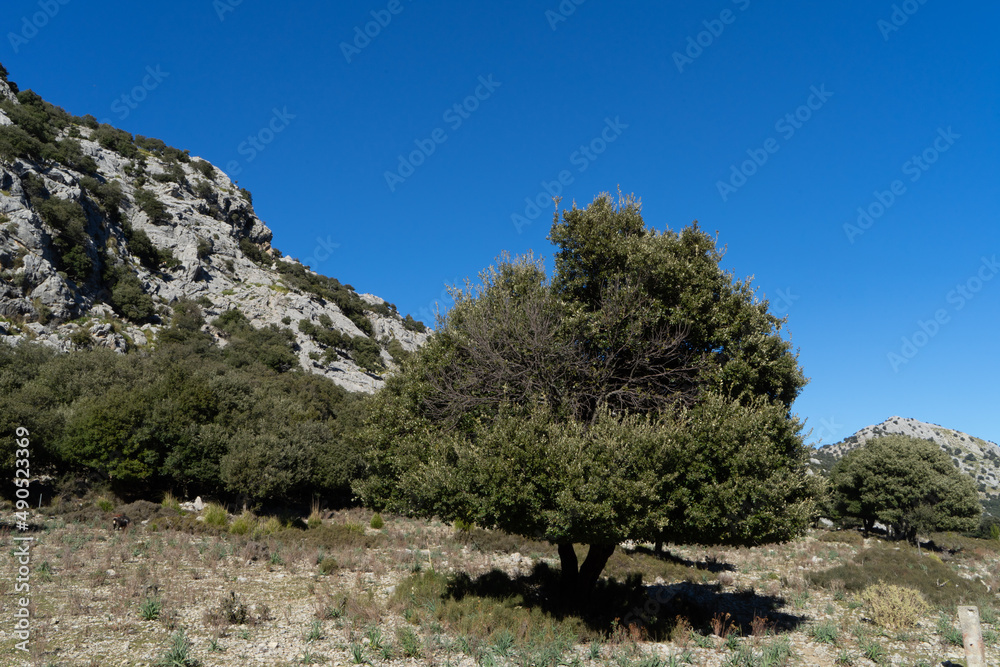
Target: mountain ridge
102,233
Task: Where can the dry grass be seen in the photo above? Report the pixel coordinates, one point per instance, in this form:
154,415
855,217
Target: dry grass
259,594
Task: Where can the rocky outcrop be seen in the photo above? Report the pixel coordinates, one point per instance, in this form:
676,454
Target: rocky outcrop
178,228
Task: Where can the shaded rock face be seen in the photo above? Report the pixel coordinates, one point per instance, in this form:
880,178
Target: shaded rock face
179,228
978,458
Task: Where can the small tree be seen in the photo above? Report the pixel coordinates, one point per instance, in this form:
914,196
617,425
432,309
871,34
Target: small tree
905,483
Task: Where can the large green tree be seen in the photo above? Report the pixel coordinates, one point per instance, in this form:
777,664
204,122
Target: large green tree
640,394
908,484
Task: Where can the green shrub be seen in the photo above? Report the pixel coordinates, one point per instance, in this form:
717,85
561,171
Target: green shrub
129,300
409,642
215,515
904,567
411,324
205,169
109,196
243,524
825,632
105,505
16,143
848,536
148,202
328,565
150,609
178,653
81,339
205,247
116,140
377,523
170,502
894,606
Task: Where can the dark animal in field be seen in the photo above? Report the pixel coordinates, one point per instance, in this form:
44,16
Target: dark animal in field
120,521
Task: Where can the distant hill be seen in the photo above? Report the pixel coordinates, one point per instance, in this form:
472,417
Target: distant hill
978,458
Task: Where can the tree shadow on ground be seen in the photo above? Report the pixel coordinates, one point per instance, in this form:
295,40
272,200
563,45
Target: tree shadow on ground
710,564
650,612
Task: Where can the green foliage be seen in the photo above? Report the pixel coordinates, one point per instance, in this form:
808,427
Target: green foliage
377,523
116,140
328,565
215,515
906,567
174,173
578,411
253,252
152,206
130,300
108,194
69,153
15,143
184,415
178,655
150,609
906,483
270,346
330,289
68,221
893,606
365,352
205,168
411,324
205,247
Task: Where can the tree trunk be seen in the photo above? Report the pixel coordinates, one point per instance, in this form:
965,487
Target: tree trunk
570,569
578,581
593,565
658,548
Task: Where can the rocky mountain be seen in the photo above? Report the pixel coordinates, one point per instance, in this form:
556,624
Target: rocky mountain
103,234
978,458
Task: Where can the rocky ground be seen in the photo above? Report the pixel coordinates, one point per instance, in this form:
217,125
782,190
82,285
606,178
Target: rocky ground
254,591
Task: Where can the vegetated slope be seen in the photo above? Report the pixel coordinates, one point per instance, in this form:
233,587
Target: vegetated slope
101,233
978,458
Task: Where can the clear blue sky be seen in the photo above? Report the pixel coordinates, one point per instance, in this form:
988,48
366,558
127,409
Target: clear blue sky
882,90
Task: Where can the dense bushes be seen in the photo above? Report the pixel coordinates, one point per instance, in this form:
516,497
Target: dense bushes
365,352
152,206
329,289
186,415
411,324
68,222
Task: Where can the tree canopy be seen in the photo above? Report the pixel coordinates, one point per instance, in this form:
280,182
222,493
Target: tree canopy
908,484
639,394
